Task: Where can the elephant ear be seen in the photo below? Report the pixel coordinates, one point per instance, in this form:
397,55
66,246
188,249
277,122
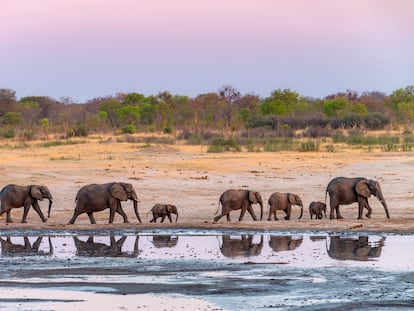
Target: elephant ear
291,198
362,189
36,193
252,197
118,192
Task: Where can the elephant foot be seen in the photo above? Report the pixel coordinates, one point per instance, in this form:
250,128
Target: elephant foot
24,222
339,217
368,215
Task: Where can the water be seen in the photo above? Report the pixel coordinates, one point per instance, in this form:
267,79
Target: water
210,270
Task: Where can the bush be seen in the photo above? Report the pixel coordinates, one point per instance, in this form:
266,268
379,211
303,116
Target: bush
129,129
223,144
308,146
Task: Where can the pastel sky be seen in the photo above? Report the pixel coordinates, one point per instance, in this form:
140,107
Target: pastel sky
93,48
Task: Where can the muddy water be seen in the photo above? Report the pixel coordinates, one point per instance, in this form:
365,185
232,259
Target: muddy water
206,271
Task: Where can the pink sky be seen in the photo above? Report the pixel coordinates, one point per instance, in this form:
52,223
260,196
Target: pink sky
85,49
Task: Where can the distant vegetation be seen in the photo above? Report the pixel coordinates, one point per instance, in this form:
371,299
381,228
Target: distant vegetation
224,120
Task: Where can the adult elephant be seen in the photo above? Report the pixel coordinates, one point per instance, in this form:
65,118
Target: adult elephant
240,247
350,248
90,248
14,196
231,200
284,201
343,190
97,197
279,243
10,249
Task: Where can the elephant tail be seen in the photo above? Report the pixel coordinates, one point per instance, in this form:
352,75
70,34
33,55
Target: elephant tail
218,207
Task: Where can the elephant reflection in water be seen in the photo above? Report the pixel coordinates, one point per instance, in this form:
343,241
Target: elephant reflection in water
346,248
241,247
161,241
280,243
12,249
89,248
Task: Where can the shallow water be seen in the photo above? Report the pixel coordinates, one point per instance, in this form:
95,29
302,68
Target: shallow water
210,270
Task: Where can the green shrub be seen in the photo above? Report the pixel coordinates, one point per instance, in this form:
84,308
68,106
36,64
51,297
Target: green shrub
220,144
280,144
129,129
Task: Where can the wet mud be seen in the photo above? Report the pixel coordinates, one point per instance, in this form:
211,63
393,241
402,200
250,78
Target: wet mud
210,270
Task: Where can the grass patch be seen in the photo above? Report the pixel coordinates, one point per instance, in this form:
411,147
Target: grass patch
55,143
220,144
281,144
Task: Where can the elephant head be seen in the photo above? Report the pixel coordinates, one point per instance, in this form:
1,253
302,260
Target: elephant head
124,192
41,192
366,187
294,199
173,210
254,198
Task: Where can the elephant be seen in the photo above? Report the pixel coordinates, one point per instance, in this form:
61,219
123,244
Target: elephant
343,191
240,247
349,248
89,248
280,243
163,210
8,248
239,199
284,201
14,196
97,197
316,208
161,241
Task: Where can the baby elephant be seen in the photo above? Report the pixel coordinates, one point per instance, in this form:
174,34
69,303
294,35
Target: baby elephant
163,210
316,208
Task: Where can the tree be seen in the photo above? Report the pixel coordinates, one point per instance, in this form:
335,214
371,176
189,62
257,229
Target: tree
283,103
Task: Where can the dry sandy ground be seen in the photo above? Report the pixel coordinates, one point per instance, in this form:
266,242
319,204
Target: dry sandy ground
193,179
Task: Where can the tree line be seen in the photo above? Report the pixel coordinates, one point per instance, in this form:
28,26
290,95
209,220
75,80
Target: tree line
222,113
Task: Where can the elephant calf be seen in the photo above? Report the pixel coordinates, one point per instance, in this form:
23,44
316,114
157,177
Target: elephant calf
316,208
284,201
163,210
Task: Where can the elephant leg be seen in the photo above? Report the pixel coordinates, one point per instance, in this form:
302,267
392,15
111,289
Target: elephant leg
169,217
243,211
8,217
163,217
91,218
25,212
228,216
38,210
154,217
121,212
288,210
251,212
369,210
72,220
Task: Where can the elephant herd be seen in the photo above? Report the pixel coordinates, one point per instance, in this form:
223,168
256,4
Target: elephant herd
89,199
342,191
97,197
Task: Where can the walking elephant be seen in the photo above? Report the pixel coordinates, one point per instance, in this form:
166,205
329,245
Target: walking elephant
284,201
343,191
239,199
90,248
241,247
161,241
279,243
97,197
349,248
163,210
10,249
14,196
316,208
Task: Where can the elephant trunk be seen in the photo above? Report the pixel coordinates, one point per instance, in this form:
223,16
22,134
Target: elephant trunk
136,210
261,210
301,211
382,200
50,208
